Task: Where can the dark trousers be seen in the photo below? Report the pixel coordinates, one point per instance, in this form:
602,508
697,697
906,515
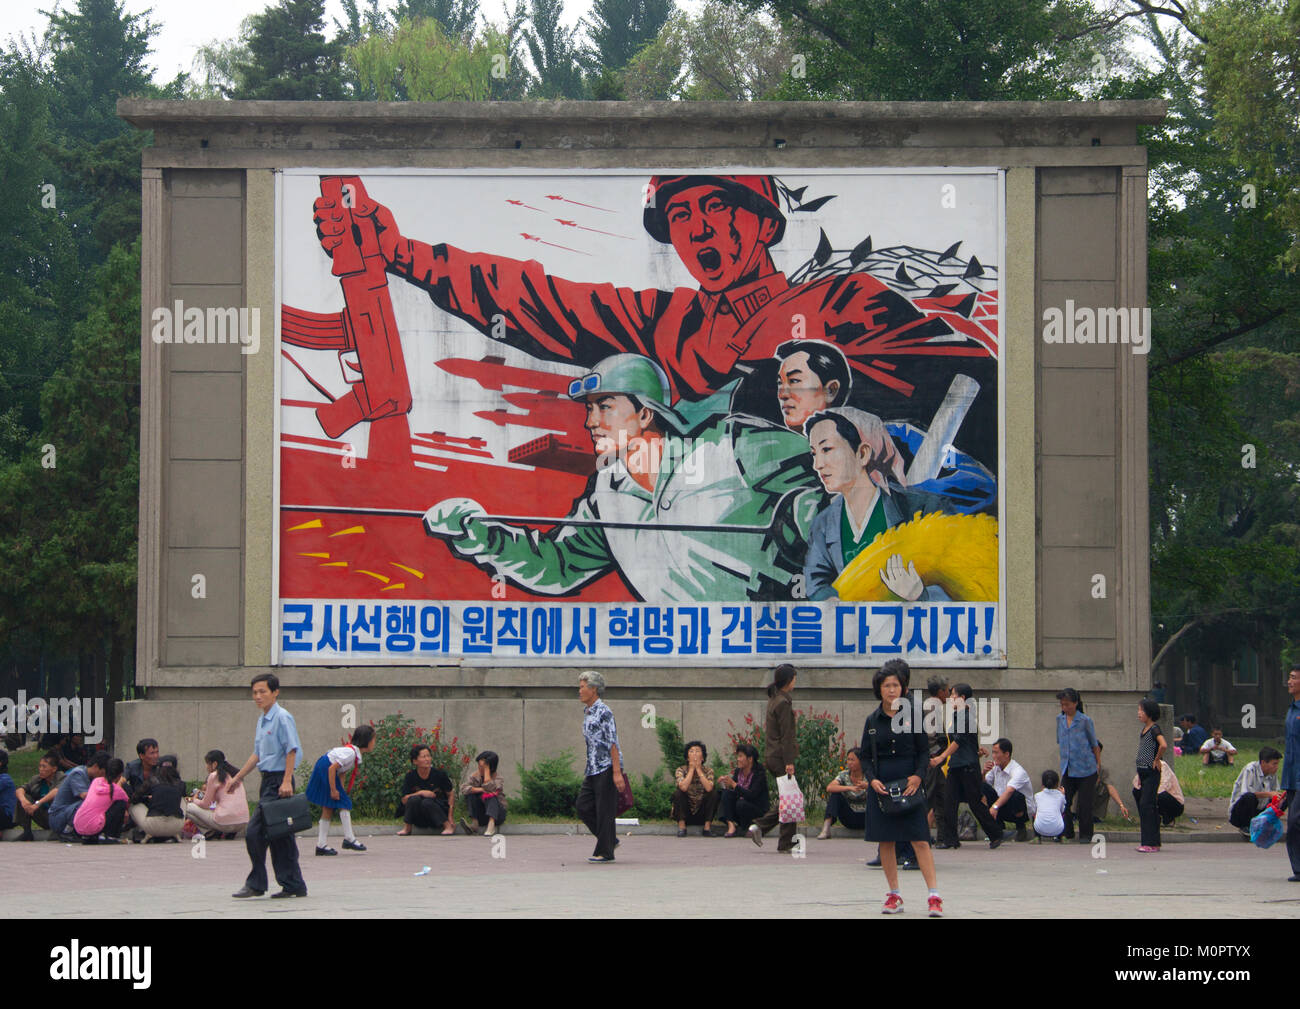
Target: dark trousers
480,810
597,806
1016,810
1243,811
705,814
1086,791
964,786
25,819
7,821
284,852
423,811
936,783
773,815
734,809
115,818
1148,806
1293,834
838,809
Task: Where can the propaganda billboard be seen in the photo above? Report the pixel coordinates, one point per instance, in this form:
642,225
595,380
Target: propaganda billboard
626,416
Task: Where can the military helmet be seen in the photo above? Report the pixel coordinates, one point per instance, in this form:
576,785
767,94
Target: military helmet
756,193
627,375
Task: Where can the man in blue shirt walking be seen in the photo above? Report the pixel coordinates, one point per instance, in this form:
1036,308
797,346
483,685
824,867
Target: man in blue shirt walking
1291,770
275,752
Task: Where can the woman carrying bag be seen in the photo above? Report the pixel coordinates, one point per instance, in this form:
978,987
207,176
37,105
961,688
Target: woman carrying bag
779,753
896,762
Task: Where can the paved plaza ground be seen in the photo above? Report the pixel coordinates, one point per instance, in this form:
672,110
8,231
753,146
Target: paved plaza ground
658,876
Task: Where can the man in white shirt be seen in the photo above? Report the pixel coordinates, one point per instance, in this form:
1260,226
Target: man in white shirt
1216,749
1008,791
1253,788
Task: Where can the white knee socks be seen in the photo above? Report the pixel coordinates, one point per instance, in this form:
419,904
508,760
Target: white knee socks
345,818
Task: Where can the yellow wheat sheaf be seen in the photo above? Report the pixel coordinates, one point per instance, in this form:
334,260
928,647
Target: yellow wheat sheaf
957,552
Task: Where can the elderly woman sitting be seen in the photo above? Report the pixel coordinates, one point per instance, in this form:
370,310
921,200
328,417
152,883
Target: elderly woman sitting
744,791
694,799
485,792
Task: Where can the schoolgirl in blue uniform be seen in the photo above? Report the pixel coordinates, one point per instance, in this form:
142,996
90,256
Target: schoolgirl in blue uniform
326,788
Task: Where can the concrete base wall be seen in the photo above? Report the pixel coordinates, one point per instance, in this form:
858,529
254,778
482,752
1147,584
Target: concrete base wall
524,730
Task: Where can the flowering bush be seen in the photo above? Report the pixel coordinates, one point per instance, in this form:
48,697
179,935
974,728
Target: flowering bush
379,779
822,752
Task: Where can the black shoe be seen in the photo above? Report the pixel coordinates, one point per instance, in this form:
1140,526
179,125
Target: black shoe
874,863
908,864
994,842
945,845
27,835
600,858
706,832
90,840
325,851
211,835
248,891
1293,879
1022,834
681,831
233,835
353,845
289,893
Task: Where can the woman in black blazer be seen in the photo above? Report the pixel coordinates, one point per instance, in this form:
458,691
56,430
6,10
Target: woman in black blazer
901,751
742,804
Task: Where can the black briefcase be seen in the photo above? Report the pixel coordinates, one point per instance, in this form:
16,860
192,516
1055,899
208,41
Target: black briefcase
284,817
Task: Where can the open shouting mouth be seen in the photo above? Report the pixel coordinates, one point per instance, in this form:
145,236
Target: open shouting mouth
709,259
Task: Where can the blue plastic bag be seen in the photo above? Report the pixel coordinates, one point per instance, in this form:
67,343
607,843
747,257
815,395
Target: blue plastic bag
1266,829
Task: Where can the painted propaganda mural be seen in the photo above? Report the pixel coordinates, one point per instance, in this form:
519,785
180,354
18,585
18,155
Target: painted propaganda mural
639,417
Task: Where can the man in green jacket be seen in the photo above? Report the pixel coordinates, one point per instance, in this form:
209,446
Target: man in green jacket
657,511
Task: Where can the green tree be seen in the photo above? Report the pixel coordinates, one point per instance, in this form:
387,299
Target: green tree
1252,77
721,54
618,29
288,57
553,50
418,61
457,17
936,50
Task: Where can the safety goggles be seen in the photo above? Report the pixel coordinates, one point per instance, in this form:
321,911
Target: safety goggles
583,386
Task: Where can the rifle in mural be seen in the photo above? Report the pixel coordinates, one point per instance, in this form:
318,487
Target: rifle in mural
364,334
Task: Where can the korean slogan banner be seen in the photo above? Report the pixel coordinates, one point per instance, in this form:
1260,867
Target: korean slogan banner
721,416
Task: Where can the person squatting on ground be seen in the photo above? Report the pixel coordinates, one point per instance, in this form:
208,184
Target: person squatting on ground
219,813
597,804
485,794
1008,791
744,791
1049,808
276,750
695,799
426,798
1253,789
156,805
847,796
35,797
1076,738
326,788
780,749
100,819
897,758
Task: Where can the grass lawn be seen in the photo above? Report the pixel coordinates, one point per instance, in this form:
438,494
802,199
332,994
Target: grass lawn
22,766
1216,782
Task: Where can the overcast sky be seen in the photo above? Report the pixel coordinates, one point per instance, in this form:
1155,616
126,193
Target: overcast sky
188,24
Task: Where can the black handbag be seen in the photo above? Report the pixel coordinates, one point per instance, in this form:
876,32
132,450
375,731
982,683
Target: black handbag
895,803
285,817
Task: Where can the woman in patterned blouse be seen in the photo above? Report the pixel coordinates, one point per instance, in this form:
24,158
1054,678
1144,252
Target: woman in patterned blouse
694,799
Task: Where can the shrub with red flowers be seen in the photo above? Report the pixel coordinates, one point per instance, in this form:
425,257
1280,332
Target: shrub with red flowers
822,752
380,778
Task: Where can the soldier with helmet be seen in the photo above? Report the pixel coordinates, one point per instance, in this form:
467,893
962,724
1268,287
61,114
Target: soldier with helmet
658,508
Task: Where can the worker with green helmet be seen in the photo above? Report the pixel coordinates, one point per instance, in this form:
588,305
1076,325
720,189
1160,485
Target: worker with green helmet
695,466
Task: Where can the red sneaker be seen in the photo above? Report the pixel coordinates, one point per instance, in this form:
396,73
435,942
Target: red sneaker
936,907
893,904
